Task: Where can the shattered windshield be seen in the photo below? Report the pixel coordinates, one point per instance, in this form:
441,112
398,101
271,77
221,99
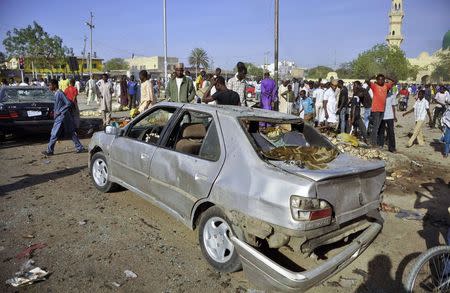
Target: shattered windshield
291,141
27,95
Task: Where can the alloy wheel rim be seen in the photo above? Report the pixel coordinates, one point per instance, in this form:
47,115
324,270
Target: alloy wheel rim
216,239
100,172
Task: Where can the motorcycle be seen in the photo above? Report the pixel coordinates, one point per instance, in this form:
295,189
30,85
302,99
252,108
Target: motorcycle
403,103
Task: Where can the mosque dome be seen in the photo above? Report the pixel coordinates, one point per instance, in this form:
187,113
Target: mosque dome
446,41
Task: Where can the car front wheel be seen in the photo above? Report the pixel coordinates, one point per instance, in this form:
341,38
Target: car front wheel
215,242
100,173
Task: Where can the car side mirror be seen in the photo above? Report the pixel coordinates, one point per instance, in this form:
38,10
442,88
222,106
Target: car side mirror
112,130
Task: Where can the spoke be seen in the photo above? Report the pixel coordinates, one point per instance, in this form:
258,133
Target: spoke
223,228
220,252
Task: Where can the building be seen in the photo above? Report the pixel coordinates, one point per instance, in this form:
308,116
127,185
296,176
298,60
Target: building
394,37
154,65
286,69
35,70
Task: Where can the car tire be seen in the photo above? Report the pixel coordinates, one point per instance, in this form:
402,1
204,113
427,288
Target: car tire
215,243
100,173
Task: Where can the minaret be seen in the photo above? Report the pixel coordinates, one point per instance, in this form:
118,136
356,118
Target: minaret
395,38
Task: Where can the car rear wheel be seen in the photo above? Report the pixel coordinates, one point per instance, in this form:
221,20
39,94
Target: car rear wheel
100,173
215,242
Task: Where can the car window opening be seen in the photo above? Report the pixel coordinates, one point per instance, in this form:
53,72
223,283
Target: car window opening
295,143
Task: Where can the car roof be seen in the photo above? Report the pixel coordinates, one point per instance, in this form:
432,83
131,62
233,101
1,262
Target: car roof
233,111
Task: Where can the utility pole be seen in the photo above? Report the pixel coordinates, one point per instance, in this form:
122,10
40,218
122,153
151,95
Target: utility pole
276,43
91,27
165,42
266,59
84,57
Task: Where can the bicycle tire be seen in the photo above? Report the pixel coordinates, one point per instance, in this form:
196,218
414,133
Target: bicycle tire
420,262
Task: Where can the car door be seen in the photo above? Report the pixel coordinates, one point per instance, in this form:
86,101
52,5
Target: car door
179,178
131,153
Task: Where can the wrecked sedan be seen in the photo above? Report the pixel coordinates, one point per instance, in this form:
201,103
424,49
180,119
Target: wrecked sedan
255,183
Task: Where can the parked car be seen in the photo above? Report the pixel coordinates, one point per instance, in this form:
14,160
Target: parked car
235,174
26,108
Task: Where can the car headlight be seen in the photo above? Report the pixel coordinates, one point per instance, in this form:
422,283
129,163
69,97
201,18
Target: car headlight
309,209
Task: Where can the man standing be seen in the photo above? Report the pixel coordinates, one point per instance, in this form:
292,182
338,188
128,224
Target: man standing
106,89
268,92
380,90
421,109
218,73
329,104
91,89
282,102
342,106
63,83
441,97
132,89
71,93
238,83
63,121
318,100
181,88
147,97
387,125
223,96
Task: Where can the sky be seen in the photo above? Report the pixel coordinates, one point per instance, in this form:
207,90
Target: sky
311,32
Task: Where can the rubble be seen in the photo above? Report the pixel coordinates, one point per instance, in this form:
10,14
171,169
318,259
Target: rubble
28,274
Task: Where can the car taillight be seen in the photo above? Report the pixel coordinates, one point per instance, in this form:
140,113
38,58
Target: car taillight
10,115
310,209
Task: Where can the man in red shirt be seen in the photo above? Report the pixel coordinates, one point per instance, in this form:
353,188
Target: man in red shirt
380,90
71,93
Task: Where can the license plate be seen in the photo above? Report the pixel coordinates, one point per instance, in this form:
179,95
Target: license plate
34,113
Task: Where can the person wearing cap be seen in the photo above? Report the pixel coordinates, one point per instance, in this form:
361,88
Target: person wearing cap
318,100
330,103
180,89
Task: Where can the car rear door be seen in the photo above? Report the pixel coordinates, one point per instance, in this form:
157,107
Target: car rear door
179,179
131,153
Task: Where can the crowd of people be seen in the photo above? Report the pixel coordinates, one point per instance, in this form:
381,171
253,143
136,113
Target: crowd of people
367,110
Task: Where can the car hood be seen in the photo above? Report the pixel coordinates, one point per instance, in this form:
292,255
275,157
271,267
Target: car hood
342,165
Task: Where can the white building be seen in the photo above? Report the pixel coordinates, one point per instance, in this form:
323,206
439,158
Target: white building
284,68
153,64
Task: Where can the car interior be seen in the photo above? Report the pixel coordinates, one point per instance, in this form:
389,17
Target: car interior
149,128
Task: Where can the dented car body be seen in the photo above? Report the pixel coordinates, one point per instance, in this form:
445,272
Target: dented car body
190,158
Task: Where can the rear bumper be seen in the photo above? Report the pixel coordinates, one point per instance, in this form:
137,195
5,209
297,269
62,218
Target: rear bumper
30,124
269,275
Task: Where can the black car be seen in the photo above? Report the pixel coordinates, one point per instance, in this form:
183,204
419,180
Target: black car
26,108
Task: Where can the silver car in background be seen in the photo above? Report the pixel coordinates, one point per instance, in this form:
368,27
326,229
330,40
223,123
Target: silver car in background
215,168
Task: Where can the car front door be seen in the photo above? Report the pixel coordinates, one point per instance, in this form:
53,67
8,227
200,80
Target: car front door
132,152
186,165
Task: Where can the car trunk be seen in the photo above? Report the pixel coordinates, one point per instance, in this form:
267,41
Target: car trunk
27,111
351,185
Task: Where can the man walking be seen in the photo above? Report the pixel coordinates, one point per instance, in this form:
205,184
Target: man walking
106,89
380,90
132,88
268,92
91,89
421,109
180,89
63,121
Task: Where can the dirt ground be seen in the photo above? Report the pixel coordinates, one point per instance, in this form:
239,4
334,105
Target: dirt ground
92,238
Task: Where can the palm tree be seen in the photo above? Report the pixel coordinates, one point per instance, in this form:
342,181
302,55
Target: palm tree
198,58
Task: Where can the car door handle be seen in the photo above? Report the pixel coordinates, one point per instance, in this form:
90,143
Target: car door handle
199,176
144,157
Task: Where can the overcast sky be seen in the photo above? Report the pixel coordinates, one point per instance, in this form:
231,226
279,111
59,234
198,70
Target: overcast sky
311,32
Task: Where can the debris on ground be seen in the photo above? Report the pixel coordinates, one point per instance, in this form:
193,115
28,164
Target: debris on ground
315,158
389,208
88,113
82,222
28,236
115,284
409,215
46,162
130,274
29,250
28,274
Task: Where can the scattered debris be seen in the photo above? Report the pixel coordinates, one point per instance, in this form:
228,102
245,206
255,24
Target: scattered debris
28,251
29,236
389,208
149,225
82,222
115,284
130,274
28,274
416,164
361,272
88,113
409,215
346,282
46,162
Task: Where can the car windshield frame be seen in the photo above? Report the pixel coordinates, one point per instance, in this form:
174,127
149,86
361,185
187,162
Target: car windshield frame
45,96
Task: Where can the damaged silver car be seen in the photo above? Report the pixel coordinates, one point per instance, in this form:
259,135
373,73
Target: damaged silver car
264,189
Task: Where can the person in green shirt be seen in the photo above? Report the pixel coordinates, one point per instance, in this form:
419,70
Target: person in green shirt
180,89
63,83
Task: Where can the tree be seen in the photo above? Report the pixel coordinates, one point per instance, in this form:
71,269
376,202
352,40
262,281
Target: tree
36,45
390,61
199,58
345,70
116,64
2,61
253,70
318,72
441,71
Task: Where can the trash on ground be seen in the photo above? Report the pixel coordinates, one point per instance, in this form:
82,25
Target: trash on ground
348,138
416,164
389,208
29,236
46,162
88,113
28,274
409,215
130,274
115,284
28,251
82,222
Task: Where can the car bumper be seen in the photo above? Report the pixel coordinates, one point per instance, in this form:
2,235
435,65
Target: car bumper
269,275
30,124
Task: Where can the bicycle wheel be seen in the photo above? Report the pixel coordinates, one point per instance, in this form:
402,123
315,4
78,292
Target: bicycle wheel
431,271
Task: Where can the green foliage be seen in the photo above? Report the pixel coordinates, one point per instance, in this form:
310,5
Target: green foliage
390,61
442,67
199,58
318,72
345,70
116,64
253,70
36,45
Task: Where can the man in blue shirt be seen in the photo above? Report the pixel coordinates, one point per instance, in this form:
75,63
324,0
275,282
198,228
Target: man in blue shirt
132,90
63,121
307,107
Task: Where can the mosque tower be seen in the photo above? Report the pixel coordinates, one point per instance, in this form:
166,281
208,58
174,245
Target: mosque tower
395,38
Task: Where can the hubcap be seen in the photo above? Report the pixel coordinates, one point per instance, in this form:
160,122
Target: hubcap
216,240
100,172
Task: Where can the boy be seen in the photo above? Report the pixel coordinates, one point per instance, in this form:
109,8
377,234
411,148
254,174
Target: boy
387,125
421,109
356,123
307,107
289,96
